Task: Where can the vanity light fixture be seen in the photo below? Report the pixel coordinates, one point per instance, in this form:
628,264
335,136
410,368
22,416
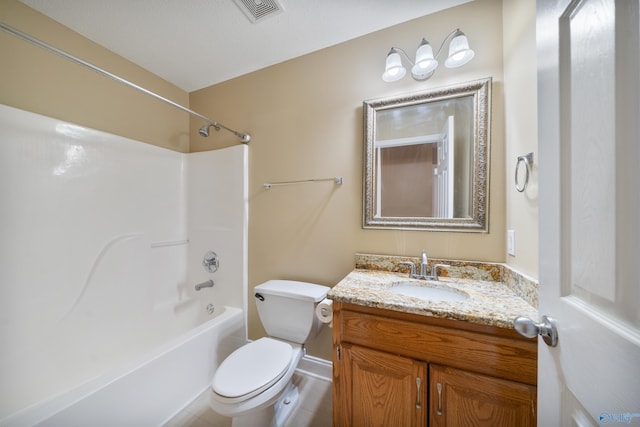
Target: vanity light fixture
425,64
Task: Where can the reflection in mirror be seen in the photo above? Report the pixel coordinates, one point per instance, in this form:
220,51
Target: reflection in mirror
426,159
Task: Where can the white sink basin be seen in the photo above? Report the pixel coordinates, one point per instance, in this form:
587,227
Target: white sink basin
430,293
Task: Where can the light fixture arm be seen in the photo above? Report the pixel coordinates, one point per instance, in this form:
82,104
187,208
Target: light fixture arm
449,37
399,49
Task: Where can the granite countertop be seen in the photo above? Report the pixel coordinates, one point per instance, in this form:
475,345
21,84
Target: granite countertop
489,303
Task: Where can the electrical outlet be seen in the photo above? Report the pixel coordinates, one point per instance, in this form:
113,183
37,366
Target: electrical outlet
511,242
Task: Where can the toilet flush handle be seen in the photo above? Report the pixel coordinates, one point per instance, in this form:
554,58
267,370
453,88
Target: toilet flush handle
259,296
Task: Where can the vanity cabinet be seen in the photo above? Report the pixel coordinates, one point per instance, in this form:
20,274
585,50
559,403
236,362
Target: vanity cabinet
401,369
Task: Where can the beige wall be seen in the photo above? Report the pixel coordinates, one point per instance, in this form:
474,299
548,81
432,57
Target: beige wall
521,131
35,80
305,117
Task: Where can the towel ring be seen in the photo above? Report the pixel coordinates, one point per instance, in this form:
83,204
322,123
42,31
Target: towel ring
527,159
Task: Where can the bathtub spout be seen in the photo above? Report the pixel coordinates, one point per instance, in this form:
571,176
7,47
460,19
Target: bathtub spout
207,284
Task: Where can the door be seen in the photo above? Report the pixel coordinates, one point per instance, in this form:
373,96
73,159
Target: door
444,173
589,139
462,398
382,389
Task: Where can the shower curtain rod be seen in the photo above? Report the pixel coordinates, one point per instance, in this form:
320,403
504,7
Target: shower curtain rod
244,137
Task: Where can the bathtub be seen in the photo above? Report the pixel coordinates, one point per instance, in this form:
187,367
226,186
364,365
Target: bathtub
150,391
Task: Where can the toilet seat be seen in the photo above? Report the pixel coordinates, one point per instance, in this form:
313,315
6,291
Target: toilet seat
251,369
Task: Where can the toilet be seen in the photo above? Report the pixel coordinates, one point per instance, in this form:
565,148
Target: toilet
253,384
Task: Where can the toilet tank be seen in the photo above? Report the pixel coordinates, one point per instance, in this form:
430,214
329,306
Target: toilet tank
287,309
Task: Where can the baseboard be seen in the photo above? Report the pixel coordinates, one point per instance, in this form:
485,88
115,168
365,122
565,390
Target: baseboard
316,367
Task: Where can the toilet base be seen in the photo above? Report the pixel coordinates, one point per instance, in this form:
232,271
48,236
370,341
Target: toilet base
286,404
273,415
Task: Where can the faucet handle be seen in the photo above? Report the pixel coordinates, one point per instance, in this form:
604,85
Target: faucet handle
411,265
434,270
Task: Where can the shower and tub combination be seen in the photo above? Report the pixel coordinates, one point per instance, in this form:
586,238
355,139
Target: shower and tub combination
107,316
103,244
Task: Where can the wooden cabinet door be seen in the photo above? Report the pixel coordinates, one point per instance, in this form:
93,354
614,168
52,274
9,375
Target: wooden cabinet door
460,398
381,389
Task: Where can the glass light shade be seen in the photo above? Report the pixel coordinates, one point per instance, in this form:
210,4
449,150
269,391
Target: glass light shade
459,51
425,62
393,70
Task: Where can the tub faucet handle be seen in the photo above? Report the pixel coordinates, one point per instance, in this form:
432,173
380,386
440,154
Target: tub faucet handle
211,262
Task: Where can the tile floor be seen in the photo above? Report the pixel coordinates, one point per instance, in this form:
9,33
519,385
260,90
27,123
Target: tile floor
313,410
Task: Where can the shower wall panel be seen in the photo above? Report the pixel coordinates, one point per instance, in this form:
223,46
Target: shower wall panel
217,217
95,259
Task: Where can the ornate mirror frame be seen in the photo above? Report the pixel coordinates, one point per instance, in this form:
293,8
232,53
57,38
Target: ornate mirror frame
480,91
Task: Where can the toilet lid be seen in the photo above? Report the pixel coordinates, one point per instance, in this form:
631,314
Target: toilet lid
252,368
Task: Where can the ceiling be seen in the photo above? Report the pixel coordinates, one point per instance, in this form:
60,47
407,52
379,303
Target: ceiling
197,43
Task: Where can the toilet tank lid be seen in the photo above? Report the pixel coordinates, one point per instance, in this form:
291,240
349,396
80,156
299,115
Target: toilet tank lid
293,289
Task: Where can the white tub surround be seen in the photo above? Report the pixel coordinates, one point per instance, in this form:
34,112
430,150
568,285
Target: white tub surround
102,244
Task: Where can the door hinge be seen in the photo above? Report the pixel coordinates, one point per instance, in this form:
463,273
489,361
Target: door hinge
338,352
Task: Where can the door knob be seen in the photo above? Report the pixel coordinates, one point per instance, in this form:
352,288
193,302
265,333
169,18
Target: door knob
547,329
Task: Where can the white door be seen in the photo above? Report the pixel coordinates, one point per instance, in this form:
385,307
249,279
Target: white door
589,169
443,173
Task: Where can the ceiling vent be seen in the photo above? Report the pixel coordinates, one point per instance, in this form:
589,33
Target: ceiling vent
258,10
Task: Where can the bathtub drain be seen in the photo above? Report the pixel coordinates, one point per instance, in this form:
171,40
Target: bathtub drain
210,308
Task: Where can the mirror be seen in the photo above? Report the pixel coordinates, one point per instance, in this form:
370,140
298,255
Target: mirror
426,160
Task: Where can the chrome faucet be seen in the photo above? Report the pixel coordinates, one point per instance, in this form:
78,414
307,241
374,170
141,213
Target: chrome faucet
424,264
207,284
